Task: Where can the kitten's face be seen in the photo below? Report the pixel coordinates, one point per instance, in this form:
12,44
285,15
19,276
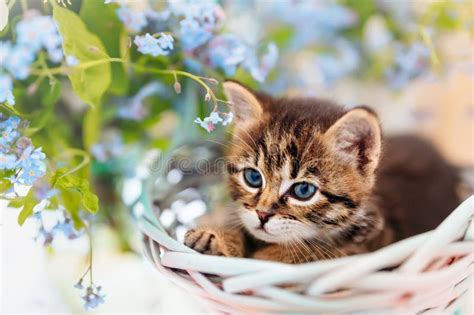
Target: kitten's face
300,171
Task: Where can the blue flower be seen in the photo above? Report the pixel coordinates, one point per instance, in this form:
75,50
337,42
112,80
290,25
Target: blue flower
43,190
209,122
71,61
67,228
30,173
12,122
19,154
226,52
133,20
192,35
37,32
7,136
166,41
149,45
260,69
7,161
31,156
45,237
56,55
29,34
79,285
214,118
19,60
198,21
93,298
314,21
6,87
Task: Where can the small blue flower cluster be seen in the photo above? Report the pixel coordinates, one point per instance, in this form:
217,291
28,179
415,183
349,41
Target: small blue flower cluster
198,21
209,123
133,20
53,223
17,153
93,295
314,21
196,24
34,33
149,45
71,61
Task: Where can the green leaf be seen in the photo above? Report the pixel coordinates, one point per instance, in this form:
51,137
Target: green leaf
5,184
53,93
88,199
71,200
29,202
91,78
91,127
101,19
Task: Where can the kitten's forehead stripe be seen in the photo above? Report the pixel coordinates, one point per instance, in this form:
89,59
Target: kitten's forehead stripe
292,149
295,168
339,199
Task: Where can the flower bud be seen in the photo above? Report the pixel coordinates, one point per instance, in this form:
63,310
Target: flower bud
177,87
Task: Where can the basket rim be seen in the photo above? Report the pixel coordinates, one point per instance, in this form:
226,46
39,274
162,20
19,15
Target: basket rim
459,217
444,287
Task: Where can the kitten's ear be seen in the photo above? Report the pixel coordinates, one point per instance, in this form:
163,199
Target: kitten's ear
245,104
356,137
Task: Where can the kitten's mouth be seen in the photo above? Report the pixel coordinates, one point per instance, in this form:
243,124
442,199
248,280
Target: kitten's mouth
262,229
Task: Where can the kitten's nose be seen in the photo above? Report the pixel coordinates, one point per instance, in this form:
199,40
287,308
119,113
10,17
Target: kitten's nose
264,216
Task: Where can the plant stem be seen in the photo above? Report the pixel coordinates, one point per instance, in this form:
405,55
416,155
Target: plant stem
85,65
85,273
10,108
90,255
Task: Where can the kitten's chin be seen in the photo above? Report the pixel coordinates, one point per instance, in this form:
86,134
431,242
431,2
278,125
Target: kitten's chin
277,230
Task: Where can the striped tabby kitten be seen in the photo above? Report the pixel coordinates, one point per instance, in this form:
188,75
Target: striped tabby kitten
311,182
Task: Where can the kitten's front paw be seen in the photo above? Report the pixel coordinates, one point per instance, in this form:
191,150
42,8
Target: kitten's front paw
206,242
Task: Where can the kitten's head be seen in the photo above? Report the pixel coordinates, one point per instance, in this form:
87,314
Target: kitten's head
301,168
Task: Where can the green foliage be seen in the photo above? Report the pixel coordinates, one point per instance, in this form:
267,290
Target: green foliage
92,77
101,19
72,183
51,93
91,127
364,10
28,202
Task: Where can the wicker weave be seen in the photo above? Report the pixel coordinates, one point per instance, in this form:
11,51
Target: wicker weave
429,273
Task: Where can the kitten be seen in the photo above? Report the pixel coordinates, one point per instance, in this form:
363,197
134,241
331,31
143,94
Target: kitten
311,182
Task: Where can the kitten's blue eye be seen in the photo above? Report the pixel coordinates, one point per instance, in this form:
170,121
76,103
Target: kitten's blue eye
303,191
253,178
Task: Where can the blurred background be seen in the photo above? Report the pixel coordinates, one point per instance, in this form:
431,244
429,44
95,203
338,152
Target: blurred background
410,60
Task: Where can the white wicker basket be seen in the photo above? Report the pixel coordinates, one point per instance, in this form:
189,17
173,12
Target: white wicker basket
429,273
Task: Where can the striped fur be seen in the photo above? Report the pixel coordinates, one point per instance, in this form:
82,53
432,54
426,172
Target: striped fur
289,141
